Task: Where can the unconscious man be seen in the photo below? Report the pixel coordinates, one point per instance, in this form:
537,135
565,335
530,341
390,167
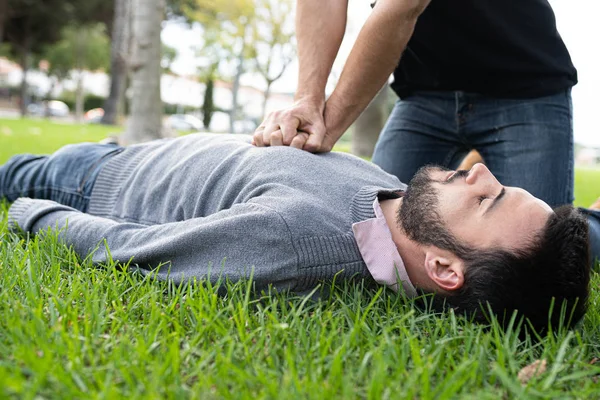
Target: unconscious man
214,206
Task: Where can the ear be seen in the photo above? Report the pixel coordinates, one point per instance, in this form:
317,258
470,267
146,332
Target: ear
445,269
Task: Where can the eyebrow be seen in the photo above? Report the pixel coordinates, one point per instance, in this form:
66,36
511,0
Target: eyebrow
496,201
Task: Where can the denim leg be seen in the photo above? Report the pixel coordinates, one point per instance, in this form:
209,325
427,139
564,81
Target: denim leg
527,143
67,176
420,130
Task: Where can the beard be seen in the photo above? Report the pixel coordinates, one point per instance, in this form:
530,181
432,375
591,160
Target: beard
419,215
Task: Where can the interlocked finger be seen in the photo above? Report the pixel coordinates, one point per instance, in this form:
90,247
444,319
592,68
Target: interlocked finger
299,140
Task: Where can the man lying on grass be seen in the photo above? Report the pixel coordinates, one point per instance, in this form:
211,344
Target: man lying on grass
211,206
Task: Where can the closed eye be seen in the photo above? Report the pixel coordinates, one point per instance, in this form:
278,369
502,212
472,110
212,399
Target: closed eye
481,199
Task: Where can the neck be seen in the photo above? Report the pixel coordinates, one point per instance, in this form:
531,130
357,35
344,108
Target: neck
411,252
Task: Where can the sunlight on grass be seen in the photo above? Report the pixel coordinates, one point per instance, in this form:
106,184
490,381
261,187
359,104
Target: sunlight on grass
43,136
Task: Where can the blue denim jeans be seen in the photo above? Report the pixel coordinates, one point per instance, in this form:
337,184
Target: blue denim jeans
67,176
524,142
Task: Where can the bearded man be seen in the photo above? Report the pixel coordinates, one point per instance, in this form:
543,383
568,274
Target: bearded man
214,206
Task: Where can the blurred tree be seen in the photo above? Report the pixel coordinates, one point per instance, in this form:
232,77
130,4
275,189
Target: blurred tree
228,23
92,11
145,121
213,53
168,55
274,47
83,47
208,105
119,59
3,17
29,26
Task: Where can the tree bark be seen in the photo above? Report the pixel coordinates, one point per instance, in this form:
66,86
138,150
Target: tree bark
370,123
145,121
25,54
118,61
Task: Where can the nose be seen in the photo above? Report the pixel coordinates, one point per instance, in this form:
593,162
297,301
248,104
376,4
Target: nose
479,173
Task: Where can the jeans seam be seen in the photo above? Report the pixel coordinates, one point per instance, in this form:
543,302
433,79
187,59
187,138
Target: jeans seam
570,162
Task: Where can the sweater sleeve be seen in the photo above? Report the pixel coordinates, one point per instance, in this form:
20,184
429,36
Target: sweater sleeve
235,243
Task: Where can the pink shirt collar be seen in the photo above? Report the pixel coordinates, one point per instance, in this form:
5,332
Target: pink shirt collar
380,253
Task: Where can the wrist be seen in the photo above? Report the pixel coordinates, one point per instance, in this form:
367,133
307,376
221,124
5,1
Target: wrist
335,121
313,98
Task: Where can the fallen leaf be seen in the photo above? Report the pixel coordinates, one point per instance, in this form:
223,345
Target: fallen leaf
535,369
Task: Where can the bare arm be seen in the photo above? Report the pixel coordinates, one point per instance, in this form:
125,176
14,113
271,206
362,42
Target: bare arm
373,58
320,26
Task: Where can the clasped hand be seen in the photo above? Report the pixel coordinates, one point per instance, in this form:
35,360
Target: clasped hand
301,126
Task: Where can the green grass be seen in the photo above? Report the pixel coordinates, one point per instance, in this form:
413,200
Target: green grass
69,329
72,330
587,186
44,136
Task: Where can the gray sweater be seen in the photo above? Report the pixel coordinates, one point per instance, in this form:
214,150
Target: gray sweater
209,206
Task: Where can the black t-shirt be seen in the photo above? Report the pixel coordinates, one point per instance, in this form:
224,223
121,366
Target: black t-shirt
499,48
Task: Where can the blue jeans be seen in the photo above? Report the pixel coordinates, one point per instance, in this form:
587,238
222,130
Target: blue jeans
524,142
67,176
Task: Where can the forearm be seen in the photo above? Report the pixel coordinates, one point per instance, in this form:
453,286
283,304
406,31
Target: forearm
372,59
320,26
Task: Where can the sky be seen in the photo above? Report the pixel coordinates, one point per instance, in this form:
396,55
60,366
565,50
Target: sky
577,22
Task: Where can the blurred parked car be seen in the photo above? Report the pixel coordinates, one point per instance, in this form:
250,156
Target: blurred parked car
52,108
94,116
183,122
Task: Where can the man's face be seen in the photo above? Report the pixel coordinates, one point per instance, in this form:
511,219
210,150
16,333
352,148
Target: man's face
472,208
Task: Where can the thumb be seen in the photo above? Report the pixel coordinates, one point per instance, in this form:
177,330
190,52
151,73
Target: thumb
315,140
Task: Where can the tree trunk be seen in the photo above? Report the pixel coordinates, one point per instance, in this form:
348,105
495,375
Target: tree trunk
25,68
145,121
81,41
79,97
235,90
266,94
118,61
208,106
369,124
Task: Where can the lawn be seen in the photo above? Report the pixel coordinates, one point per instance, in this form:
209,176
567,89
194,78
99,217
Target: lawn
45,136
587,186
73,330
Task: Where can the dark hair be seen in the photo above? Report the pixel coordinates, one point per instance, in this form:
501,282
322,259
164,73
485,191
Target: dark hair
546,280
